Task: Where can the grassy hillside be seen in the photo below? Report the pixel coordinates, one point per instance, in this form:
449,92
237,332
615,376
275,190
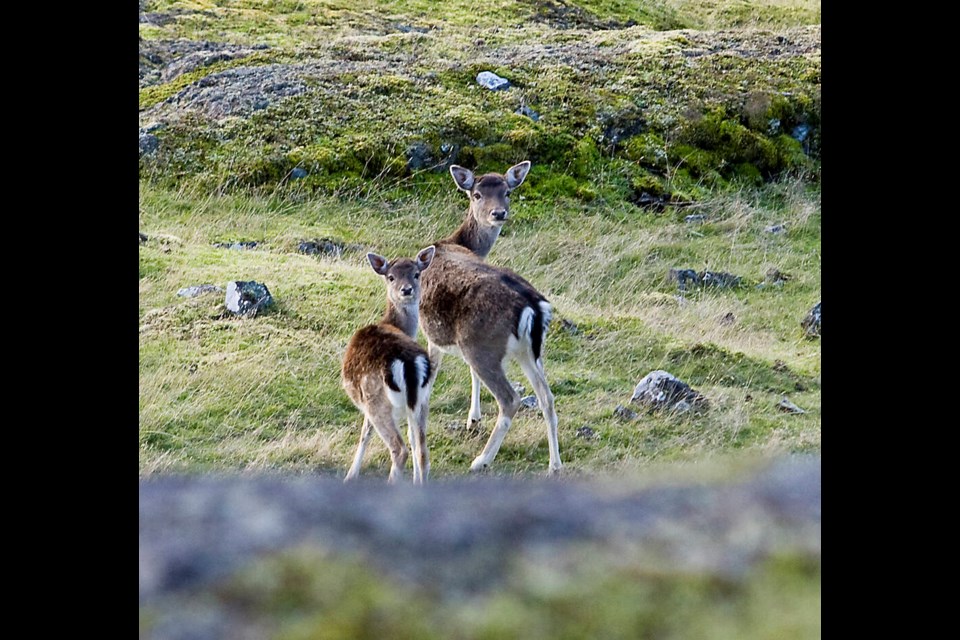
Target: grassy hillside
700,107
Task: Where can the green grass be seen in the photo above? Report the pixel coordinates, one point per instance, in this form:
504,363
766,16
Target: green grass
218,392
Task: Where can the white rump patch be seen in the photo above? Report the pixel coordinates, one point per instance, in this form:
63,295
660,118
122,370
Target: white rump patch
420,362
397,398
547,312
525,326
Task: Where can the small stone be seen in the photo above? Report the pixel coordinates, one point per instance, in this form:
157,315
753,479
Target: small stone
569,327
777,277
322,246
527,111
788,407
529,402
811,323
682,276
247,297
662,390
149,144
419,156
624,413
800,132
196,290
143,238
236,246
298,172
586,433
492,81
728,320
776,228
720,279
696,218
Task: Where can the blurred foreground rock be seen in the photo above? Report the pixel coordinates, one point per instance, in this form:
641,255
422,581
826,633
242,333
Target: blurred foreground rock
461,536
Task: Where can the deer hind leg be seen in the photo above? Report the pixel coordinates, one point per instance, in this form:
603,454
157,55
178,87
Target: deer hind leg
435,355
386,428
473,421
489,369
533,370
365,432
417,434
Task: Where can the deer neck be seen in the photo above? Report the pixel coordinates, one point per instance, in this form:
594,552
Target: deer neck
403,317
472,236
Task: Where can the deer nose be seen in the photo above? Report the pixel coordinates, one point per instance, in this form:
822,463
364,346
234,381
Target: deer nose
406,290
499,214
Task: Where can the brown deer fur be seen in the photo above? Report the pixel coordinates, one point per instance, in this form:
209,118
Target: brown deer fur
387,374
485,313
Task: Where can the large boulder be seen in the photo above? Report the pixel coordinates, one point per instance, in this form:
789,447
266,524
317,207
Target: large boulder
811,323
247,298
661,390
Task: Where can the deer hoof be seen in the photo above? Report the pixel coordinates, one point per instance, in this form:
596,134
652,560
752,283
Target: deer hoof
479,466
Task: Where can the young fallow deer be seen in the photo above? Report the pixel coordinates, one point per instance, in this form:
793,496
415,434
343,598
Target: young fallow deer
387,374
488,314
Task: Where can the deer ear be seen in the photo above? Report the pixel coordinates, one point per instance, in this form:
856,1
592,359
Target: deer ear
425,257
516,174
463,177
379,263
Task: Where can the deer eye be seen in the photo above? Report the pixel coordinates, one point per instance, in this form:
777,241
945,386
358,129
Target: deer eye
476,195
391,278
416,276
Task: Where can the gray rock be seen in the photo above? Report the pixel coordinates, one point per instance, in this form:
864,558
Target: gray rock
720,279
236,92
530,402
527,111
149,144
492,81
811,323
237,246
625,414
696,218
247,297
586,433
788,407
419,156
776,228
322,246
717,279
800,132
621,125
569,327
298,173
198,289
682,277
661,390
